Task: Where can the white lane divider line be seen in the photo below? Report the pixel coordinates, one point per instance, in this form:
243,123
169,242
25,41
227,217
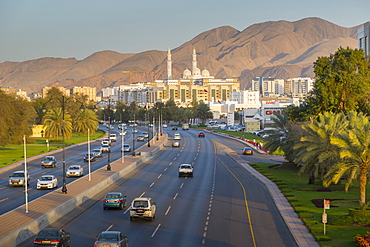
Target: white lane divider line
165,169
155,231
109,228
181,185
127,210
170,163
142,194
160,175
175,196
151,185
168,209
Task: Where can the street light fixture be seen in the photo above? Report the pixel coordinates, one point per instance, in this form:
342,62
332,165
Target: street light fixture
109,168
133,137
148,129
25,173
64,188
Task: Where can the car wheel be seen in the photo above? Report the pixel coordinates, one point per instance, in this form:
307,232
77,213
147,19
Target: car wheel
105,208
151,218
131,218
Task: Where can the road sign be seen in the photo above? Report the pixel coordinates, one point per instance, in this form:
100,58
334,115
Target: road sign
326,204
324,218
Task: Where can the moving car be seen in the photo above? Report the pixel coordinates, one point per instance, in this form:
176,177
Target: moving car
185,126
111,239
146,134
90,157
97,152
143,207
134,131
122,133
175,144
105,148
126,148
140,138
18,179
52,237
186,170
105,141
48,161
174,128
47,182
164,125
201,134
75,171
177,136
114,200
113,137
248,151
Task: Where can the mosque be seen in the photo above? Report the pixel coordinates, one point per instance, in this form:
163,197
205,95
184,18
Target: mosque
193,85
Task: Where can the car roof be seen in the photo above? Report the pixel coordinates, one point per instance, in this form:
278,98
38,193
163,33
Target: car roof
142,198
107,232
74,166
48,175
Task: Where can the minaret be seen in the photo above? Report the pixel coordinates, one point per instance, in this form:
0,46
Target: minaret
194,63
169,65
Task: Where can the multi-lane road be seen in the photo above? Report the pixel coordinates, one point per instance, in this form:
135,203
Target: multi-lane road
221,205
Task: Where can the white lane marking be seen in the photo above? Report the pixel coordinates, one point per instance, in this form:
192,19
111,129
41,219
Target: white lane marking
181,185
142,194
176,196
168,209
151,184
127,210
4,199
170,163
160,175
109,228
155,231
165,169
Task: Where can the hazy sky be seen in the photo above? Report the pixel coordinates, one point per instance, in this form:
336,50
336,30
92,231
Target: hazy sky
31,29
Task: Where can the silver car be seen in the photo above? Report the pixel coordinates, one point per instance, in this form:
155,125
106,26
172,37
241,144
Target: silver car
47,182
75,171
111,239
18,179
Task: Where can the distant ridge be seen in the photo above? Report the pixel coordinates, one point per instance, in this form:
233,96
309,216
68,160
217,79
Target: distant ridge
279,49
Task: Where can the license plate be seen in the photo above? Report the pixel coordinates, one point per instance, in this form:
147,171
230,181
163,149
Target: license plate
46,242
72,173
106,245
112,201
43,186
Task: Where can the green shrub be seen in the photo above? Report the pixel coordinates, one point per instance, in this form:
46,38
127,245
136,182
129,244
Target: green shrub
292,200
322,238
305,215
287,193
300,210
311,223
342,220
361,217
316,228
283,186
296,204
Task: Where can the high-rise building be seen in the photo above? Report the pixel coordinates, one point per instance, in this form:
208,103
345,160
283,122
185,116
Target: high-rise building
363,36
300,87
89,91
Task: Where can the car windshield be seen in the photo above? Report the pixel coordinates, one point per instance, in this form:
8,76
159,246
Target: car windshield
113,196
126,145
108,237
46,178
96,150
74,168
186,167
143,204
18,175
48,158
48,234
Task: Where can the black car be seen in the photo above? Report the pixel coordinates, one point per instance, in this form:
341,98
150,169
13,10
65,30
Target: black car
52,237
90,157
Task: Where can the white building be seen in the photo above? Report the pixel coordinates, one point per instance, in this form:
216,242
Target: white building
300,87
246,98
268,86
363,36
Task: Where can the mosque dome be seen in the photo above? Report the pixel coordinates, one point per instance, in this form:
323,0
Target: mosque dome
196,71
205,73
187,74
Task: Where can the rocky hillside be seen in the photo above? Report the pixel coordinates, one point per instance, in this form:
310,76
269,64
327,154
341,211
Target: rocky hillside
279,49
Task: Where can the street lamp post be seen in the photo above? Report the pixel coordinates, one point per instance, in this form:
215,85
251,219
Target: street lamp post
148,129
88,151
109,168
122,142
64,188
133,137
25,173
158,129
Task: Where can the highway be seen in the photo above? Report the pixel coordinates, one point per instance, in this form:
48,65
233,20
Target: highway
222,205
14,197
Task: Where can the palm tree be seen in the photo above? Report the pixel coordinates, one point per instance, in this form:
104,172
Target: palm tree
354,152
86,120
55,126
315,150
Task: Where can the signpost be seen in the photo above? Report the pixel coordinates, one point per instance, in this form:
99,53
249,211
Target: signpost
324,215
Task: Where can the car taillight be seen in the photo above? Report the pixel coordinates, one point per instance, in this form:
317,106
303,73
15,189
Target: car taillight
104,200
119,200
55,242
37,241
95,245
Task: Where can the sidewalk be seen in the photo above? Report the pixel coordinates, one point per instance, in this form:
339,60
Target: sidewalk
17,226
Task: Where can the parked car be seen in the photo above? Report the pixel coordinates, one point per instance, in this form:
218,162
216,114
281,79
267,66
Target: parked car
140,138
146,134
126,148
186,170
90,157
143,207
18,179
248,151
201,134
75,171
105,148
177,136
175,144
113,137
111,239
48,161
114,200
52,237
97,152
47,182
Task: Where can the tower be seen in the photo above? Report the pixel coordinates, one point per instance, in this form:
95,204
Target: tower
169,65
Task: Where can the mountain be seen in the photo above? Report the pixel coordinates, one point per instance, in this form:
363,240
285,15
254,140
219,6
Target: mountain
279,49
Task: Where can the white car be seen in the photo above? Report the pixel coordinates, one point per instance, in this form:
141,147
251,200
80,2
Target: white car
186,170
47,182
113,137
75,171
105,141
177,136
126,148
123,133
143,207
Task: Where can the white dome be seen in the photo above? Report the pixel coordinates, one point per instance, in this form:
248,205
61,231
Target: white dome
186,74
196,71
205,73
